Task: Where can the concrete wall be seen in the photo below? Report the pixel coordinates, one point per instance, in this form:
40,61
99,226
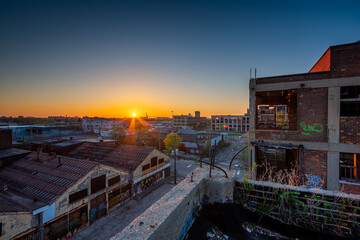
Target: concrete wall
173,214
15,223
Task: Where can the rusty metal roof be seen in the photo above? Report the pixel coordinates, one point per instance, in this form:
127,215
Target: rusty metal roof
43,178
126,157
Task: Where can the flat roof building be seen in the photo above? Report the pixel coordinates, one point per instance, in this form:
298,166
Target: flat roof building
230,123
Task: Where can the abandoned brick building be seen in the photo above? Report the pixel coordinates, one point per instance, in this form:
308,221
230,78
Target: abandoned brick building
311,121
45,196
144,165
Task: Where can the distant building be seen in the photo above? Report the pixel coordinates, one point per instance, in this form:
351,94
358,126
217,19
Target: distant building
197,114
196,143
183,121
310,122
230,123
96,125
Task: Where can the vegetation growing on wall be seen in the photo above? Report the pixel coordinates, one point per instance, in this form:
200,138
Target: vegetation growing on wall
313,209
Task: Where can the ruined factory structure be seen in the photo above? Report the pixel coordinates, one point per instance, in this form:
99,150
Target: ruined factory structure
309,123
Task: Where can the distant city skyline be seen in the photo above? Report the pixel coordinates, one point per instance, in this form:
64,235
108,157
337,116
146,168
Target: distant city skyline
114,58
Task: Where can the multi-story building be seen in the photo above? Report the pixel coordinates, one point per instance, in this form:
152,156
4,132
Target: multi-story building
311,121
184,121
230,123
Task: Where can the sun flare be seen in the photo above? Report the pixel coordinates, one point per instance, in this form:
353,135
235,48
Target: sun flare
134,114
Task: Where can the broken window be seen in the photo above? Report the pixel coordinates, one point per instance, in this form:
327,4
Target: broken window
114,180
348,166
145,167
276,163
98,184
276,110
78,195
153,161
350,101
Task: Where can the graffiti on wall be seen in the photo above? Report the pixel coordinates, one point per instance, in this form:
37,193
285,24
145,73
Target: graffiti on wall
313,181
307,129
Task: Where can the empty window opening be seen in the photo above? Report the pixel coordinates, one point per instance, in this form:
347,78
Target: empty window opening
276,110
145,167
153,161
350,101
78,195
279,164
113,180
349,163
98,183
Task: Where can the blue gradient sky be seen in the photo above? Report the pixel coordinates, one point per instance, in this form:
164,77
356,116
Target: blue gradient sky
111,58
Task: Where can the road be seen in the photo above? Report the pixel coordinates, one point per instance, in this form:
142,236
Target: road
223,156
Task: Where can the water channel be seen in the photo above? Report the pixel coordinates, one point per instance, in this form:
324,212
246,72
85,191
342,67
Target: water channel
231,221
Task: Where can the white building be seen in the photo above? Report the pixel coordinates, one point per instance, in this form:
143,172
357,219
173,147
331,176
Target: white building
97,125
230,123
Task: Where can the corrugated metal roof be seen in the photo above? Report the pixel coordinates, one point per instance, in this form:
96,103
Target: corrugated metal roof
127,157
44,178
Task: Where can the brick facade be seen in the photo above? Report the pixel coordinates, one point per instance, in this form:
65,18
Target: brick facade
349,188
318,103
312,109
350,130
314,162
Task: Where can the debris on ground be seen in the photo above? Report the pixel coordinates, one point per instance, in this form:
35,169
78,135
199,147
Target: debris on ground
257,229
215,234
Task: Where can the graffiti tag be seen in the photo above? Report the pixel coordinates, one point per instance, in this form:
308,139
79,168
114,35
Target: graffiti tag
313,181
306,129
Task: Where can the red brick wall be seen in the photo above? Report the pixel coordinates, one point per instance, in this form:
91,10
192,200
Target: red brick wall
345,59
350,130
314,162
323,64
312,109
349,188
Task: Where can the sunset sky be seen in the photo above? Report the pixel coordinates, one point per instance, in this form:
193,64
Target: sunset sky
113,58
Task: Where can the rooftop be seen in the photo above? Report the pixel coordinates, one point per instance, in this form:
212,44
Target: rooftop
126,157
40,177
12,152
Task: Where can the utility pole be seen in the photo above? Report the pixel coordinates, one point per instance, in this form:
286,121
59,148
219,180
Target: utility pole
174,137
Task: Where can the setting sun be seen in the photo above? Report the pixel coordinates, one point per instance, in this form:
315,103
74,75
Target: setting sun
134,114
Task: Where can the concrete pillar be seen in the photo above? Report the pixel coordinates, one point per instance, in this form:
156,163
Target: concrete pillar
241,124
252,115
333,138
246,126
